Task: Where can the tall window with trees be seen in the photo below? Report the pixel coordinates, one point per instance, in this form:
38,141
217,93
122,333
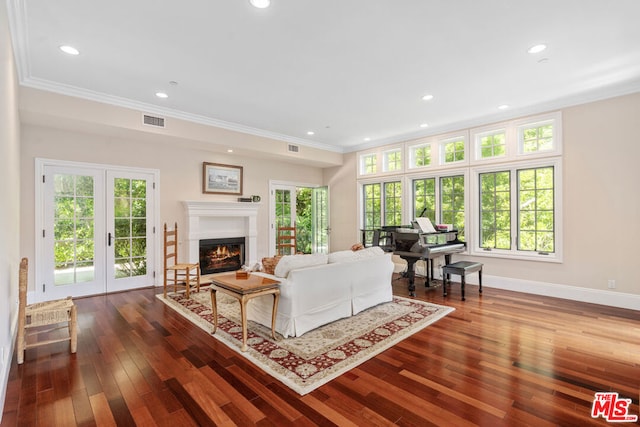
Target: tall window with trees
393,203
495,210
372,209
536,210
424,198
452,202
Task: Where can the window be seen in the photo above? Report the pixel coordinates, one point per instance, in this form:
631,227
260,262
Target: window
452,150
492,145
424,198
369,164
505,199
536,210
518,212
420,155
495,210
392,160
537,137
371,209
393,203
452,203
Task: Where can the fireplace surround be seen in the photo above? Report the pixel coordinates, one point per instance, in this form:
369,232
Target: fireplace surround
221,220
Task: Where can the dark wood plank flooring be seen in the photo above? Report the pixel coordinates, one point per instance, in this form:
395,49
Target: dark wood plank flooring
503,358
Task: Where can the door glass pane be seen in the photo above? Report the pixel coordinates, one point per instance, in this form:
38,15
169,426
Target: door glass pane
320,215
73,229
130,243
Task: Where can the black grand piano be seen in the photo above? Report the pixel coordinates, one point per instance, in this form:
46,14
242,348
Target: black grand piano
411,244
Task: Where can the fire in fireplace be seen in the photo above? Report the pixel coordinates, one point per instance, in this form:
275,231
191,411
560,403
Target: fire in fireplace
218,255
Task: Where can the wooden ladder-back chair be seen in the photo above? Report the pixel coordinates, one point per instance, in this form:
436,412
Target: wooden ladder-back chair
48,313
178,274
286,244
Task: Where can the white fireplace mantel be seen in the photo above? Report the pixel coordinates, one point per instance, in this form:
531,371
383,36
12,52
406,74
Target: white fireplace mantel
214,220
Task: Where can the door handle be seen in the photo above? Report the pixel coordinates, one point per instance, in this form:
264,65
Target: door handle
109,239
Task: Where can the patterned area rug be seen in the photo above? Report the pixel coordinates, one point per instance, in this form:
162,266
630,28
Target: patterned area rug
315,358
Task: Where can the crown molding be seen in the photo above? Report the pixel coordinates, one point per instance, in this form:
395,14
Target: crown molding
117,101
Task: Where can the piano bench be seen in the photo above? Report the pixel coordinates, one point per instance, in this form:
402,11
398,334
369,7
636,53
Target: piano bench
461,268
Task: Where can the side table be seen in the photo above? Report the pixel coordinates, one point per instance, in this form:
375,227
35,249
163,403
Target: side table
243,290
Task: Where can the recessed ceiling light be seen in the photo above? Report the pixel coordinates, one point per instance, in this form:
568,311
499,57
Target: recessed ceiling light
260,4
367,139
424,125
427,97
69,50
503,107
311,132
229,150
537,48
161,95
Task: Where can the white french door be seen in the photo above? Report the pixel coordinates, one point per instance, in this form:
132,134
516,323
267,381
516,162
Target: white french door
312,222
97,230
129,230
283,211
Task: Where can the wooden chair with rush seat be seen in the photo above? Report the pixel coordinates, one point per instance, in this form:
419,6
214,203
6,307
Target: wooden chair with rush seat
58,314
178,274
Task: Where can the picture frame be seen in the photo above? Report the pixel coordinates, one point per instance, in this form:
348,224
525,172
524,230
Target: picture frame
218,178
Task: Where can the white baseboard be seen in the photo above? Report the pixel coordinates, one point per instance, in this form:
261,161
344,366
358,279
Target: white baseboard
574,293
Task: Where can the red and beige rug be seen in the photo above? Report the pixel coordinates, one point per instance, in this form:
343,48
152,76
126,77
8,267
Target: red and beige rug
315,358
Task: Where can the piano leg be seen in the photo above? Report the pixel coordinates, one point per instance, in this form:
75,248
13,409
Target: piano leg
411,274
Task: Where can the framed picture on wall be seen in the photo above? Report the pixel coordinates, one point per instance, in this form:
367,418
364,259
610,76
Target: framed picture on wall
221,179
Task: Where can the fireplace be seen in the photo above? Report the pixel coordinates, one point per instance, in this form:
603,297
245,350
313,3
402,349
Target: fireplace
208,220
218,255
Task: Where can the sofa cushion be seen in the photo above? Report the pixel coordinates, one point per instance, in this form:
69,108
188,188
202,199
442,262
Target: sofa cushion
341,256
294,262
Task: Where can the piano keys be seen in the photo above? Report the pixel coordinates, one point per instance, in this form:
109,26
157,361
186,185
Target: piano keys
412,245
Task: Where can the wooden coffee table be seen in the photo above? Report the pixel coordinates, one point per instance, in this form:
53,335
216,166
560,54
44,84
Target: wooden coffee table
243,290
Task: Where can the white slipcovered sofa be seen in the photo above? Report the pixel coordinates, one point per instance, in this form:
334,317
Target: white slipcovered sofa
318,289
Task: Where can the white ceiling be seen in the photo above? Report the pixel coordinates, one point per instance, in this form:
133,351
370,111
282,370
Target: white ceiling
344,69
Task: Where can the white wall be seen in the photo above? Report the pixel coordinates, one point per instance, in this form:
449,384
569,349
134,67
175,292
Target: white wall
180,166
601,207
9,194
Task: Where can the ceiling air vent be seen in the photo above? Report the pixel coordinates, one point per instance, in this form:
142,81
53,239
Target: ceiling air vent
153,121
293,148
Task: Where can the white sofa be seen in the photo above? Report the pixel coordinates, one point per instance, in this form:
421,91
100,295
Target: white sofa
324,289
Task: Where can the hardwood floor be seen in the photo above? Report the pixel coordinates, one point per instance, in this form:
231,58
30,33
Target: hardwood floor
502,358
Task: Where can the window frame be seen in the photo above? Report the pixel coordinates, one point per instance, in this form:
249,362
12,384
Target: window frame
362,166
442,144
411,157
386,154
477,144
474,227
555,119
382,181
